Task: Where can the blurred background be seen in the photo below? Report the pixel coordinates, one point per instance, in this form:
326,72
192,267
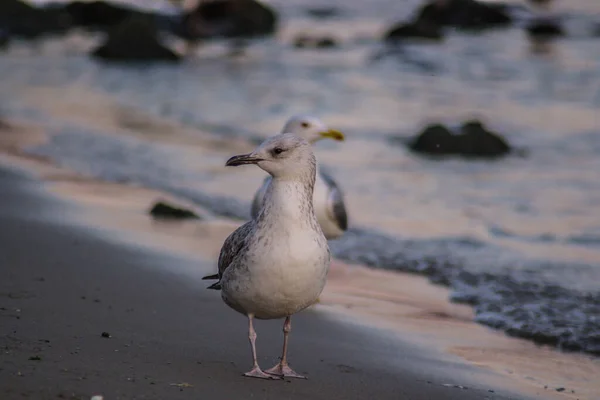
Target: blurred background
473,127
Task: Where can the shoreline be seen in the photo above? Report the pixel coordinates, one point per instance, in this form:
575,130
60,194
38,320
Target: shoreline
408,305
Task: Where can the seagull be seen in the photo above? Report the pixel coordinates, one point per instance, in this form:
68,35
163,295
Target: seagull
276,264
328,198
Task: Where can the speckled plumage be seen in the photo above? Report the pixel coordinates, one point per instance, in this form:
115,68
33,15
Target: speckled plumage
280,259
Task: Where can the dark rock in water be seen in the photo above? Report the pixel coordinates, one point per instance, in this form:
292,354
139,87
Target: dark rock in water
23,20
231,19
323,12
476,140
4,39
325,43
473,141
164,210
468,14
304,41
435,139
135,40
99,15
461,14
418,29
545,28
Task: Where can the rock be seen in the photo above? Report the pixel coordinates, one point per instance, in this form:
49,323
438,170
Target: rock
324,42
545,28
476,140
23,20
473,141
467,14
419,29
461,14
4,41
231,19
302,41
435,139
164,210
134,40
323,12
99,15
540,2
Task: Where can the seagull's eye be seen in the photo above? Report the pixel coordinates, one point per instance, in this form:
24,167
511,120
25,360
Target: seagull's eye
305,124
277,150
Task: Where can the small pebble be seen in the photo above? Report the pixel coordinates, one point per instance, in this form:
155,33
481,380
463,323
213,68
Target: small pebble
560,389
105,335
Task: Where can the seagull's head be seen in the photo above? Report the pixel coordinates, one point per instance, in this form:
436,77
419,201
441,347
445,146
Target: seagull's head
283,156
311,128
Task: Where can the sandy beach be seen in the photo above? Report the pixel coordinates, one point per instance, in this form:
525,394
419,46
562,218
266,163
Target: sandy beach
102,265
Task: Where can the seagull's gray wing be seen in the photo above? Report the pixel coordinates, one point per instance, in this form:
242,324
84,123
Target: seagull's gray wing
231,247
335,202
259,197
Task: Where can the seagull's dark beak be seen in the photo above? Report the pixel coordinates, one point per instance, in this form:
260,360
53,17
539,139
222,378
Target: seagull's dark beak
242,159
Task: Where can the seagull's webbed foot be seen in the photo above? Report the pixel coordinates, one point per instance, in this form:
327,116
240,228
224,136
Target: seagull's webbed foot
256,372
284,370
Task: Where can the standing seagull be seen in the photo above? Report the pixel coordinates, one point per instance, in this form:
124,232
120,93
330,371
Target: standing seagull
276,265
328,198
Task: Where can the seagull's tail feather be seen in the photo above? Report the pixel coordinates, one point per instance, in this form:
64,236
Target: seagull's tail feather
211,277
215,286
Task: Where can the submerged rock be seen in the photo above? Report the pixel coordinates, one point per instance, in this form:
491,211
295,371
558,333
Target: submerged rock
477,141
231,19
474,140
418,29
323,12
135,40
167,211
4,38
305,41
545,28
99,14
435,139
20,19
461,14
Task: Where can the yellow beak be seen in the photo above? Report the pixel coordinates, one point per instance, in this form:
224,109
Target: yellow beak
333,134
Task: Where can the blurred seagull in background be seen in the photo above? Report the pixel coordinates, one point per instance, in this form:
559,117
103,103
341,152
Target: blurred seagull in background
328,198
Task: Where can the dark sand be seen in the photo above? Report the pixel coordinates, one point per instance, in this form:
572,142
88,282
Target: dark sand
63,284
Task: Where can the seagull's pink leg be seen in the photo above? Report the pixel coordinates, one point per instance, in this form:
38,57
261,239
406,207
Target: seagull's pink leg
255,372
283,369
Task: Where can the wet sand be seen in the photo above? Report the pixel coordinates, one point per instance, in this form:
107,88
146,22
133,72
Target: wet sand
415,317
